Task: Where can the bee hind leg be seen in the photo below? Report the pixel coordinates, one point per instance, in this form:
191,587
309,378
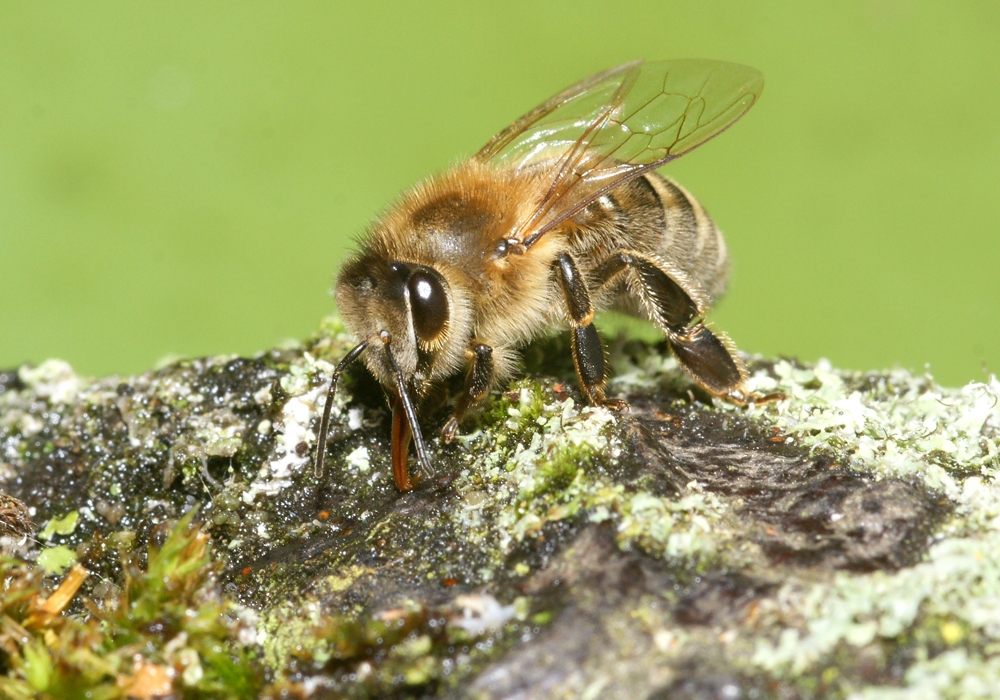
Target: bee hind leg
477,384
588,352
712,361
709,358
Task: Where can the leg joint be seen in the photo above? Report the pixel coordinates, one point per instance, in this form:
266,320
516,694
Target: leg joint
581,311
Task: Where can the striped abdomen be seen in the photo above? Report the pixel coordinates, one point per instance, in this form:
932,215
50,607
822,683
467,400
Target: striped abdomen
690,239
654,217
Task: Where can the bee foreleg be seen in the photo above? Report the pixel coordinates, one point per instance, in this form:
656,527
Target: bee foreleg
710,359
588,353
477,385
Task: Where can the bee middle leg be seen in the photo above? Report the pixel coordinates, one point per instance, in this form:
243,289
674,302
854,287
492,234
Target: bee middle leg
477,384
588,353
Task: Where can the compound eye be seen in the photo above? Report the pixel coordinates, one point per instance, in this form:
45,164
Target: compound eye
429,304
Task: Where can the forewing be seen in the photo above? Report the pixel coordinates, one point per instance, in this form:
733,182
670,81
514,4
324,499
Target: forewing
611,127
559,120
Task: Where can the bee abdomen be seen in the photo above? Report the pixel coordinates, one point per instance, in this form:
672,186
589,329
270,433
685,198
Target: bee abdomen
690,239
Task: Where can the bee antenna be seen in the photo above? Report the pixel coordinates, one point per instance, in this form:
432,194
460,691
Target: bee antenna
411,414
324,424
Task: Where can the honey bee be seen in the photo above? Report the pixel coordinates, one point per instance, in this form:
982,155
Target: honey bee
559,216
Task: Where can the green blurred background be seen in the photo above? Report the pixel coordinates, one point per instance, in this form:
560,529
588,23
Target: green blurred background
185,177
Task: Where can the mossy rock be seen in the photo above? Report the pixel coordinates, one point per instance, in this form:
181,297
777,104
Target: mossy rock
840,543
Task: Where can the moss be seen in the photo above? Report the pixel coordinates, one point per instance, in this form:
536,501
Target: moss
555,474
555,467
165,630
409,646
841,541
60,526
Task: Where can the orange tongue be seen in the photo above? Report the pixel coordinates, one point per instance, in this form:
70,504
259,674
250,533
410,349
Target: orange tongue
400,446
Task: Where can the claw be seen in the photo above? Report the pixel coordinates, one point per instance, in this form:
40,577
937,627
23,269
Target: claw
449,430
745,399
619,405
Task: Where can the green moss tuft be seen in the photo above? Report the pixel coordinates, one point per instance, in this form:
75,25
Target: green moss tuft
166,630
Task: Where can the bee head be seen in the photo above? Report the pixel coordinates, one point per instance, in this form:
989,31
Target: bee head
406,312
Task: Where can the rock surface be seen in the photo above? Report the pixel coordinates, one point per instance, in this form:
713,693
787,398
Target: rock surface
841,543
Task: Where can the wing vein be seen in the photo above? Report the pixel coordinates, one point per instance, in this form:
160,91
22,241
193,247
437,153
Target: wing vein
614,126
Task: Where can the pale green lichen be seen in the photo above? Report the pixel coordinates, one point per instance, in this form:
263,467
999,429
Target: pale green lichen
892,424
904,426
691,527
955,673
538,460
286,629
543,468
54,380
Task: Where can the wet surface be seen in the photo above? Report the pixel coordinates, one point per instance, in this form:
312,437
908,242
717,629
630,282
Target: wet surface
599,615
800,508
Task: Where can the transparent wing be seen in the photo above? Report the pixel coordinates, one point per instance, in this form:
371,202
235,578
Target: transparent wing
613,126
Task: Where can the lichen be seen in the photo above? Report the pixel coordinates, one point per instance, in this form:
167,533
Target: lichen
687,541
897,424
890,424
551,464
950,599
